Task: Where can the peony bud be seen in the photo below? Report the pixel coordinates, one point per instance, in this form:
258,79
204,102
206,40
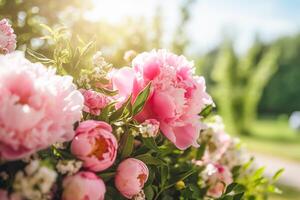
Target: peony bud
130,177
95,145
83,185
93,101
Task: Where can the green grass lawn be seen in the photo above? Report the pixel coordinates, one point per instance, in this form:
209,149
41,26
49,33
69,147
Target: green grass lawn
274,137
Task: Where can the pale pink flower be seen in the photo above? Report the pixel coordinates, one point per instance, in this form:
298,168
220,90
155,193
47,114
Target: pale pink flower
37,107
83,186
7,37
217,142
94,101
218,177
130,177
95,145
216,139
177,96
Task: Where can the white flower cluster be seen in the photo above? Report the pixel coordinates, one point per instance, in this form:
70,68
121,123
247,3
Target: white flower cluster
68,167
100,64
97,74
35,182
140,196
148,130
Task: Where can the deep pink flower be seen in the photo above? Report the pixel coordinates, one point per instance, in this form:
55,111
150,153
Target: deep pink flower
83,186
177,96
95,145
7,37
37,107
94,101
131,176
218,180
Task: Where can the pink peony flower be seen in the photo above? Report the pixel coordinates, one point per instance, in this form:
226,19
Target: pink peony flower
218,179
130,177
94,102
4,195
7,37
83,186
95,145
37,107
176,99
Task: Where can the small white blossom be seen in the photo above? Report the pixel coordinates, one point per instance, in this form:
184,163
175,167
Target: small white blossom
35,182
129,55
140,196
69,167
60,145
83,79
149,128
4,176
100,64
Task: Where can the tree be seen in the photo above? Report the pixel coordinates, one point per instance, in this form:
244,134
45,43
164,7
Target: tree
239,83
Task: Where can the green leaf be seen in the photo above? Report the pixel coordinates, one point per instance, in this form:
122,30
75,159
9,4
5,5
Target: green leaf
128,144
150,144
107,176
206,111
141,99
164,173
44,26
150,160
107,91
200,151
39,57
238,196
124,111
277,174
230,187
181,177
105,112
258,173
149,192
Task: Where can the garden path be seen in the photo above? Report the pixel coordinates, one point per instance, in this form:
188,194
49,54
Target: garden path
291,174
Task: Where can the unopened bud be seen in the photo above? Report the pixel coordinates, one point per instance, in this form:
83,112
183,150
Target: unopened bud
180,185
129,55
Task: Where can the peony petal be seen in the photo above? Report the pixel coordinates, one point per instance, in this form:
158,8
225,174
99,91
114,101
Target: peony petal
164,105
186,136
123,80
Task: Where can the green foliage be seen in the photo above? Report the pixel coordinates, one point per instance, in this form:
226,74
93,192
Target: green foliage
254,184
239,83
282,95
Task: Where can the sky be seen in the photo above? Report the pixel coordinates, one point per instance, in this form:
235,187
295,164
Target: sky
242,20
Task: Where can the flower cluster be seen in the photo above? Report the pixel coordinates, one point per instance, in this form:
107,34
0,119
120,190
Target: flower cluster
35,182
7,37
135,132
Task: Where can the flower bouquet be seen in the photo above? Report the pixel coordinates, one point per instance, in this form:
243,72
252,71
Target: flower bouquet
72,127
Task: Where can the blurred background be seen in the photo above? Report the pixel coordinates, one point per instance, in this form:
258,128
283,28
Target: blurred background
248,52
